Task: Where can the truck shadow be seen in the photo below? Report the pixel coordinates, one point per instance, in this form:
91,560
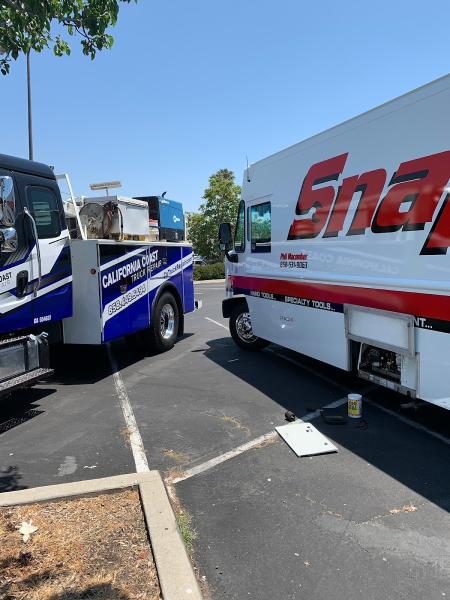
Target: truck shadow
409,455
22,406
91,364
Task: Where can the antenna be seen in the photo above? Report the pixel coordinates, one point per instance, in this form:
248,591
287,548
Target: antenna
248,172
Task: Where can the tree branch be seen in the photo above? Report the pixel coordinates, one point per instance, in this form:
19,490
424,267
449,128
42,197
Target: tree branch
14,5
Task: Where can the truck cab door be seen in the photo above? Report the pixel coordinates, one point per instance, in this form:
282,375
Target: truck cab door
15,259
51,275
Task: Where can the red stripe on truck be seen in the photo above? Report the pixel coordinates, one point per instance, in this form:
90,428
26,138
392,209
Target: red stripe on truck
433,306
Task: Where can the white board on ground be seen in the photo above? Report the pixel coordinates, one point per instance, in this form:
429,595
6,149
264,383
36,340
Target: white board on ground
305,439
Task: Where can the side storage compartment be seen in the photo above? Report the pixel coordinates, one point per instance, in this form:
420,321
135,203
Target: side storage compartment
84,327
387,353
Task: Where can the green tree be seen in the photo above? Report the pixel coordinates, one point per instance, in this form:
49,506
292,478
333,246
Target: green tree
220,206
29,25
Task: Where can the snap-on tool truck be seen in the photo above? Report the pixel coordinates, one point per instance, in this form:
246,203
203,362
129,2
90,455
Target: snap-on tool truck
109,282
341,247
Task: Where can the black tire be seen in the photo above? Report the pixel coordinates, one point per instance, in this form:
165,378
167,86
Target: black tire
241,332
165,323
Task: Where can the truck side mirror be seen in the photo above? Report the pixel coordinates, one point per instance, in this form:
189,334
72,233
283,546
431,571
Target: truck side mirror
226,241
7,201
225,236
8,239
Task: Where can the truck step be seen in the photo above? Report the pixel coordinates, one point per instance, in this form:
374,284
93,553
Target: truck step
14,340
24,380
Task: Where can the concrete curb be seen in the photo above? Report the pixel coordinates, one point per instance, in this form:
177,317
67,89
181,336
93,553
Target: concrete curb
66,490
176,575
200,281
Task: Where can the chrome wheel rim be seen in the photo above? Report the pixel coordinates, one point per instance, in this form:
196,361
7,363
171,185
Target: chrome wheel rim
167,321
244,327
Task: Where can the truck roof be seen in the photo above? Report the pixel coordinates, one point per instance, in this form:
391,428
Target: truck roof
22,165
440,84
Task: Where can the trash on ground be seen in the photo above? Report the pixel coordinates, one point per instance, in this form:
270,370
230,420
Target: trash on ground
332,417
289,415
414,404
26,530
305,439
354,406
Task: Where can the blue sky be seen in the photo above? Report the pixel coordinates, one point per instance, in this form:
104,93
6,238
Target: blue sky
192,87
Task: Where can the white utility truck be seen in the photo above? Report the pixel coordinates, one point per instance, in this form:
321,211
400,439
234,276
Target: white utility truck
341,247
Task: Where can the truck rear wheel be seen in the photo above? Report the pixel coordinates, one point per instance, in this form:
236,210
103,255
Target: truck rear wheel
166,319
242,332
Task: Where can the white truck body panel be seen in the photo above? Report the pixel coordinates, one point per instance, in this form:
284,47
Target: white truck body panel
360,217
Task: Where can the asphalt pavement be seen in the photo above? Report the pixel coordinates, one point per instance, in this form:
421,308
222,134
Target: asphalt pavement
370,521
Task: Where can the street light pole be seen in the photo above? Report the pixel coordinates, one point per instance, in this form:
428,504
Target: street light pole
30,120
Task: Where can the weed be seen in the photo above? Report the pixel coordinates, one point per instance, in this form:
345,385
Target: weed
188,533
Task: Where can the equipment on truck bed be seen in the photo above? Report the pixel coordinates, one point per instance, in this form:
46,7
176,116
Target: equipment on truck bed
167,215
114,217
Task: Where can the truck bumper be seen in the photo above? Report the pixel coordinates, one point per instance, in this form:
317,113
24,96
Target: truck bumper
24,360
228,305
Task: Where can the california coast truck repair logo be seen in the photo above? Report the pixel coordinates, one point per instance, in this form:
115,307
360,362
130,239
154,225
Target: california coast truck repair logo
409,203
135,269
5,278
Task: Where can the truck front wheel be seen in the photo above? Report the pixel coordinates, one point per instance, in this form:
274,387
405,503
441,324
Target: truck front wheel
242,332
166,319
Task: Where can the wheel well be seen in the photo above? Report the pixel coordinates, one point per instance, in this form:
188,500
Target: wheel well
171,289
229,304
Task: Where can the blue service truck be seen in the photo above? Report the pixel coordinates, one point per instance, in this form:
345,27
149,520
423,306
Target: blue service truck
54,289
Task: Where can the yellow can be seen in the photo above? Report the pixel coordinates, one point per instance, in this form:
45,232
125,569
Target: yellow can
354,406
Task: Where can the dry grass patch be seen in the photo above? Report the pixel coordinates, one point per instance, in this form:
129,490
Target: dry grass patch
88,548
171,474
407,508
235,423
179,457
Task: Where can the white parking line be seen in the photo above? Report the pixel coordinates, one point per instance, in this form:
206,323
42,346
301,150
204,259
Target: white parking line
217,323
137,446
209,464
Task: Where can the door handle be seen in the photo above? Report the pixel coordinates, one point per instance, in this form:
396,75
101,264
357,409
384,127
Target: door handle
21,283
38,249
